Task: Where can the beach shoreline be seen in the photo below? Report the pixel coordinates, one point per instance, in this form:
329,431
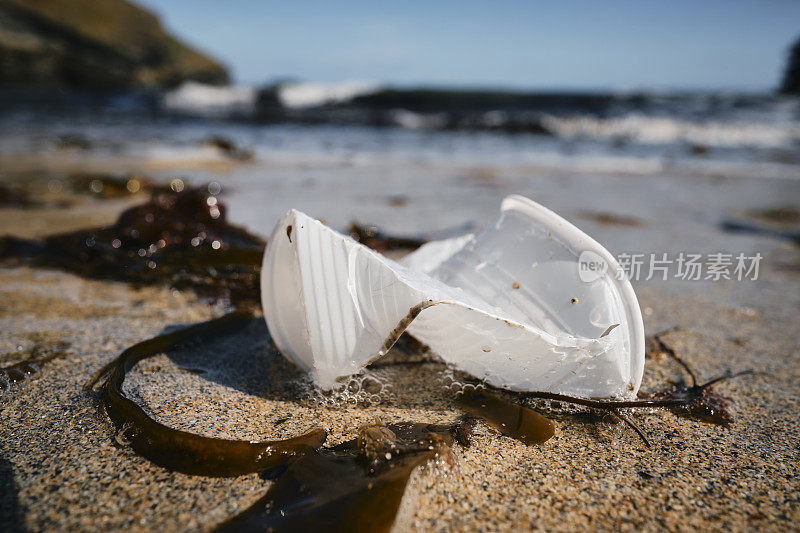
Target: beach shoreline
64,469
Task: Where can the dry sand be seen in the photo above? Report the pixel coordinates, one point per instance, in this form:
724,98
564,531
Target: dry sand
61,468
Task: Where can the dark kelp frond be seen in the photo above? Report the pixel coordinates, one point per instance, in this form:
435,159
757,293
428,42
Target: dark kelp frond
12,376
355,486
180,450
509,418
180,239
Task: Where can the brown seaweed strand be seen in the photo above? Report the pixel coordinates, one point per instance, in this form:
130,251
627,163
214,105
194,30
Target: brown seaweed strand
180,450
665,348
601,403
12,375
340,490
628,422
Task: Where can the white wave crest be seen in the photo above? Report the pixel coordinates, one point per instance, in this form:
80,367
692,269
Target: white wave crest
661,130
198,98
299,95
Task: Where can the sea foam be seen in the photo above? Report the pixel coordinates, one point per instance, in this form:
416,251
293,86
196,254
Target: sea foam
210,100
299,95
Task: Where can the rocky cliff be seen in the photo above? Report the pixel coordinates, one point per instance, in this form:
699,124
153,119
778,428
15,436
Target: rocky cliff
94,44
791,78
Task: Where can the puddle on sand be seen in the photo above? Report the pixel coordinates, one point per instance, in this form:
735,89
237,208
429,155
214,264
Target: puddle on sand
355,486
510,419
180,450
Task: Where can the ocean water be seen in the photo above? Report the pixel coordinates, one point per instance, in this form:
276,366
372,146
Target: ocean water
354,122
434,162
677,166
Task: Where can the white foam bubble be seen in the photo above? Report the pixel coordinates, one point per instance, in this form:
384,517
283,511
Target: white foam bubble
368,388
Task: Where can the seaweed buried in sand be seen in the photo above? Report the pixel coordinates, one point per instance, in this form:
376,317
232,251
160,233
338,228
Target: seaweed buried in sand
12,375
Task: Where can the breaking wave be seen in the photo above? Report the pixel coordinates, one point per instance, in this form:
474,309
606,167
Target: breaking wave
644,129
300,95
703,122
211,100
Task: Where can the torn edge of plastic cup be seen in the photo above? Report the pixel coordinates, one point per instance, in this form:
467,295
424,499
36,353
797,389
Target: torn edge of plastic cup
507,305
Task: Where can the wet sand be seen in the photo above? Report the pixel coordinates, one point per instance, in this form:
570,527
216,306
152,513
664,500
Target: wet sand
62,468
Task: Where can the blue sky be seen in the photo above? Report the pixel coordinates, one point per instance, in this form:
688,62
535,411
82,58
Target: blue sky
579,44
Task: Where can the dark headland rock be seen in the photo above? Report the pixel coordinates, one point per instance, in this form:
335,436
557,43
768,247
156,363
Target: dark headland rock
791,78
96,44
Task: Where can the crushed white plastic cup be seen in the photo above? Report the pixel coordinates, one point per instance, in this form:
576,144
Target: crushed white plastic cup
509,305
